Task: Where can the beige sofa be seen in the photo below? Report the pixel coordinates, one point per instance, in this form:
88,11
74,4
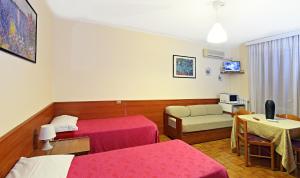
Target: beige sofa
197,123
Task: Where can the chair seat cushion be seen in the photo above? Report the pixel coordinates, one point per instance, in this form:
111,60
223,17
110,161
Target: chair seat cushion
255,138
296,144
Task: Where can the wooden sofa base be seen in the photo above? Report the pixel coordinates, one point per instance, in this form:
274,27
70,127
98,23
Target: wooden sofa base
193,137
202,136
207,135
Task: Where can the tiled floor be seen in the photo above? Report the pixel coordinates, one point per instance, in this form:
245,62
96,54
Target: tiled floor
220,151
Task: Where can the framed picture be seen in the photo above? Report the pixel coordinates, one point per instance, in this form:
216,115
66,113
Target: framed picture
184,66
18,29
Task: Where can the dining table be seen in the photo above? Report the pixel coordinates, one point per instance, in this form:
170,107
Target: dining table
278,130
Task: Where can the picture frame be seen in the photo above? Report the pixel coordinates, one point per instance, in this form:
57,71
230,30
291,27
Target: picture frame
184,66
18,29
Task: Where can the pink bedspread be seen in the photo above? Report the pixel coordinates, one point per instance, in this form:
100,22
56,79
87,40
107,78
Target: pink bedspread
170,159
115,133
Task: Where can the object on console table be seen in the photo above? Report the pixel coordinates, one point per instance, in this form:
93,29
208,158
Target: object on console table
255,118
47,132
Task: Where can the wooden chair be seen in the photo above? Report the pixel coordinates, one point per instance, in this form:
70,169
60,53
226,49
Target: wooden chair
288,116
251,139
243,111
295,143
296,149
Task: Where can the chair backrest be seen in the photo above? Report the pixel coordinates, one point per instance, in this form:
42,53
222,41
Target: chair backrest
241,128
243,111
288,116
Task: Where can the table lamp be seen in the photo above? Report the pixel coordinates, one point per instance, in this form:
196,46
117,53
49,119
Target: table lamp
47,133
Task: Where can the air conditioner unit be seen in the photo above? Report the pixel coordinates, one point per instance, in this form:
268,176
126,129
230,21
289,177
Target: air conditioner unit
210,53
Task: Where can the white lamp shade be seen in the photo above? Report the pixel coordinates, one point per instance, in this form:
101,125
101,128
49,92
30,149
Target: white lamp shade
47,132
217,34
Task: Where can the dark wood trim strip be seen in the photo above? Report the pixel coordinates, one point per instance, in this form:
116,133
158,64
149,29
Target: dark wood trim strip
21,140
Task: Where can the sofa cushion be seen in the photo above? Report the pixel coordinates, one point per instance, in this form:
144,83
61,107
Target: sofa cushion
178,111
198,110
200,123
214,109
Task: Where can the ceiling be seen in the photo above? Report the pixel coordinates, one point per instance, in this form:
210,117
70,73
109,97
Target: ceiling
244,20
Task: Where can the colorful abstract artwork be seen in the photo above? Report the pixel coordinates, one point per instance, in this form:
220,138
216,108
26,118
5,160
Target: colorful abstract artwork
184,66
18,29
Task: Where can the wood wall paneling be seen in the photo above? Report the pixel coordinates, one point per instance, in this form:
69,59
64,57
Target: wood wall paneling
90,109
152,109
20,141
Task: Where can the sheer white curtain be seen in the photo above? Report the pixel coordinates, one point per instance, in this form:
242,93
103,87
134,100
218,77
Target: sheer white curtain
275,74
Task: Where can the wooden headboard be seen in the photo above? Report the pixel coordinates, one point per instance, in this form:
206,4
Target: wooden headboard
21,140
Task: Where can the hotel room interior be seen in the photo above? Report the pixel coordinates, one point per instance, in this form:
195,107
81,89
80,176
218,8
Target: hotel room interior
160,88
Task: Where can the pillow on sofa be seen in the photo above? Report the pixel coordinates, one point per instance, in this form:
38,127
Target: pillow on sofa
214,109
178,111
197,110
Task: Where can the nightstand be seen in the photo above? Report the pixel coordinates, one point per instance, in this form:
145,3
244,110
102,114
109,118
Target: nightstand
76,146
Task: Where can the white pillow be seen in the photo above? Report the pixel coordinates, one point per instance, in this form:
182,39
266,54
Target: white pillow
54,166
65,123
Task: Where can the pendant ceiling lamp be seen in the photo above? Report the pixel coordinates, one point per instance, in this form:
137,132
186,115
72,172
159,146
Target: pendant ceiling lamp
217,34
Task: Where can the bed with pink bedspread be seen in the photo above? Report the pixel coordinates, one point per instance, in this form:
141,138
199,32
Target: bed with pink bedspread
115,133
166,160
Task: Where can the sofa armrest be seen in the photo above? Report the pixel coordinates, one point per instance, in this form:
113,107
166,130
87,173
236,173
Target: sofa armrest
178,123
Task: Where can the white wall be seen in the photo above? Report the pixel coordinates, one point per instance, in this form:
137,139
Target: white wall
239,83
26,87
94,62
79,61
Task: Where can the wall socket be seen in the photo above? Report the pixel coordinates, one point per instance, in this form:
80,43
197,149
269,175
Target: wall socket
119,101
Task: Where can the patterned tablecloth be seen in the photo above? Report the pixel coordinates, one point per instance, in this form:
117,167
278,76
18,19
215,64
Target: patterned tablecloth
280,131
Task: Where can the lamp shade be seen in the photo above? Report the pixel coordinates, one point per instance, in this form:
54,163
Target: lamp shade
217,34
47,132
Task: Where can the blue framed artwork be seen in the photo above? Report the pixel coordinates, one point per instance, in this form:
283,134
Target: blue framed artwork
184,66
18,29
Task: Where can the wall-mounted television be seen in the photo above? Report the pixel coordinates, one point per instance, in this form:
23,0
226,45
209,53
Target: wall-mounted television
232,66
